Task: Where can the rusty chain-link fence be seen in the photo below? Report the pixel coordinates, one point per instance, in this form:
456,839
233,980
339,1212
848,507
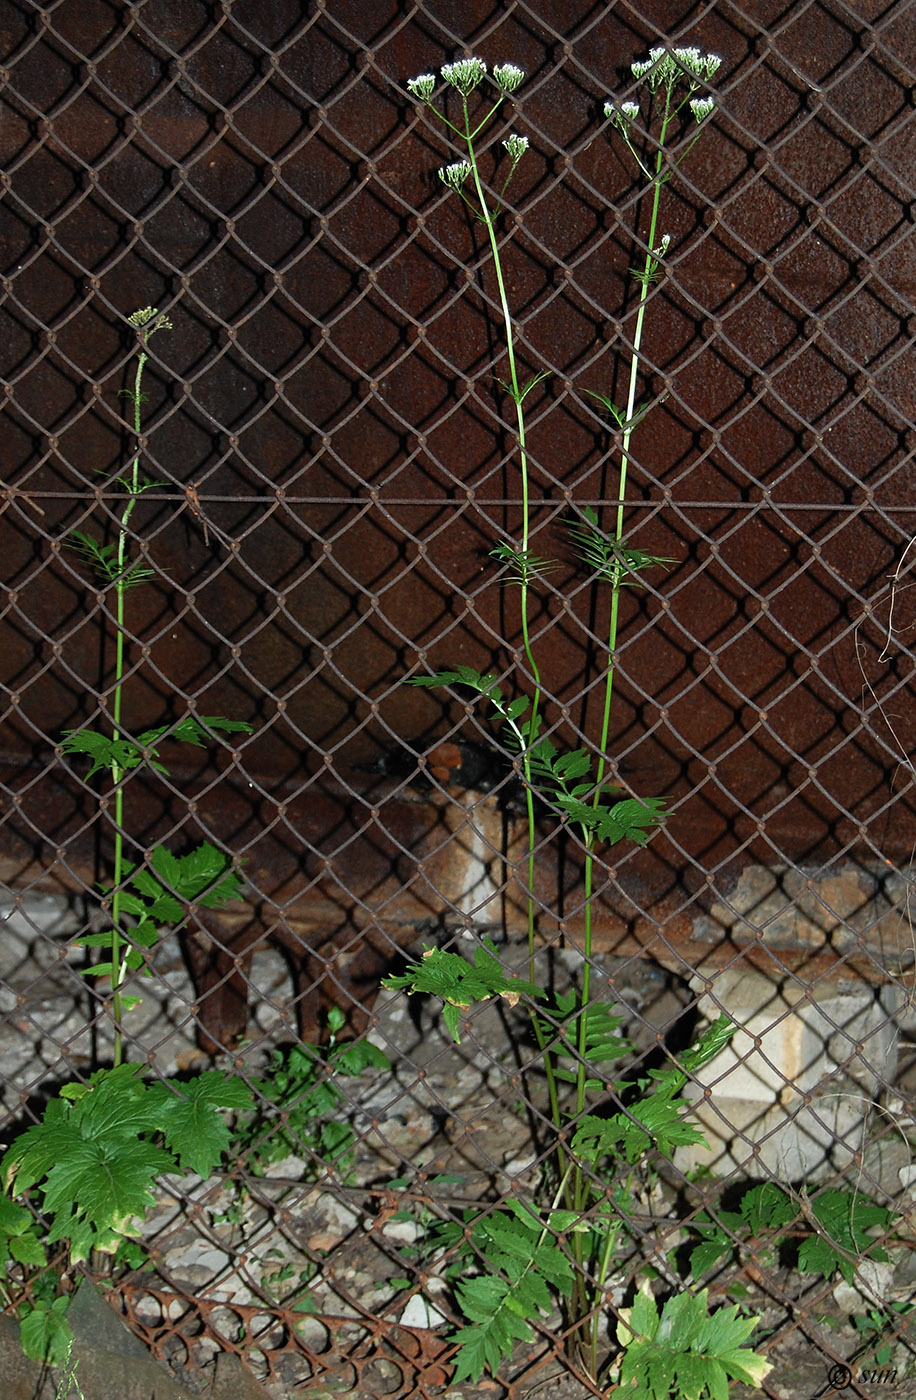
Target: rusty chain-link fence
333,460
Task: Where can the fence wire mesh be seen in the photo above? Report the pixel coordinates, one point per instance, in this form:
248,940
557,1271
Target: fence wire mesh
331,459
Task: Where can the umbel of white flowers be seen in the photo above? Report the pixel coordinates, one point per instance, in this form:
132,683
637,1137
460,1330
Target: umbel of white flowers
664,68
670,67
466,74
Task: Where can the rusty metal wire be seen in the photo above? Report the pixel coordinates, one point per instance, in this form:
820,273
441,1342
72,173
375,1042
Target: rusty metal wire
333,465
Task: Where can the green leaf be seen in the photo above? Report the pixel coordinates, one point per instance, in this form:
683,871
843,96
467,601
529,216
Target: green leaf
194,730
28,1249
103,1184
683,1350
631,820
204,876
104,560
523,566
14,1218
711,1042
45,1334
106,753
192,1124
352,1059
589,1034
845,1218
459,983
767,1207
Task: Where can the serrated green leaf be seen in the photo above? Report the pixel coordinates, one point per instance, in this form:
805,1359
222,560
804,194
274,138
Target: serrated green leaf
352,1059
526,1215
191,1121
683,1321
107,754
704,1256
111,1183
710,1043
45,1334
28,1249
767,1207
197,731
633,819
14,1218
683,1349
517,707
459,983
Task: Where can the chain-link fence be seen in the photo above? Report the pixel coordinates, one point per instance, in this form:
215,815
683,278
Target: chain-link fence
327,457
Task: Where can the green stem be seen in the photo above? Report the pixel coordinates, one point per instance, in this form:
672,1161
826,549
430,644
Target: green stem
617,578
524,604
117,772
134,488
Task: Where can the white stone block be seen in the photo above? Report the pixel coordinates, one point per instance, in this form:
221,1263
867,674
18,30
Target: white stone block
792,1091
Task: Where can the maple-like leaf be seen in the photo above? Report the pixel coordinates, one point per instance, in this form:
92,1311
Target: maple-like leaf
188,1114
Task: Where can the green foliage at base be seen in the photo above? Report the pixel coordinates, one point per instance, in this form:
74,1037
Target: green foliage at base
300,1103
683,1350
88,1170
826,1232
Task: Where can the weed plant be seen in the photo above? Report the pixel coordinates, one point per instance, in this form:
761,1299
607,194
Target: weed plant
530,1255
510,1266
300,1104
78,1181
141,899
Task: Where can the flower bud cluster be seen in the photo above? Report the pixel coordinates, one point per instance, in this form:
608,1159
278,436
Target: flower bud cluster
465,74
702,107
141,318
516,146
508,76
623,116
455,174
423,86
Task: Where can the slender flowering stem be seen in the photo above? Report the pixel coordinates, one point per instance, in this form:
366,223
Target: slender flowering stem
465,76
666,75
117,570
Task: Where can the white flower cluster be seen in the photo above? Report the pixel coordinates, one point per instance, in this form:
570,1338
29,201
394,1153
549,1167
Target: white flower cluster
669,67
508,76
465,74
623,116
516,147
456,174
701,107
423,86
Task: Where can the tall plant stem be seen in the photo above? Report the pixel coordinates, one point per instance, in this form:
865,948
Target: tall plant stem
147,322
518,394
117,772
645,277
524,604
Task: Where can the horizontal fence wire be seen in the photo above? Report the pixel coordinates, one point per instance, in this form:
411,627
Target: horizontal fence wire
328,456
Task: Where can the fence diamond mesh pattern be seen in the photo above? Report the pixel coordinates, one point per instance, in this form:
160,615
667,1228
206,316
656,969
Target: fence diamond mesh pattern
331,458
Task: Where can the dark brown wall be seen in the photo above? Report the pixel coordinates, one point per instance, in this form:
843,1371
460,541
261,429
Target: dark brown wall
328,391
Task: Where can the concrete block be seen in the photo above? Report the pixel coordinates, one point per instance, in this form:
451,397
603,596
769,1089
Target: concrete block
792,1091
